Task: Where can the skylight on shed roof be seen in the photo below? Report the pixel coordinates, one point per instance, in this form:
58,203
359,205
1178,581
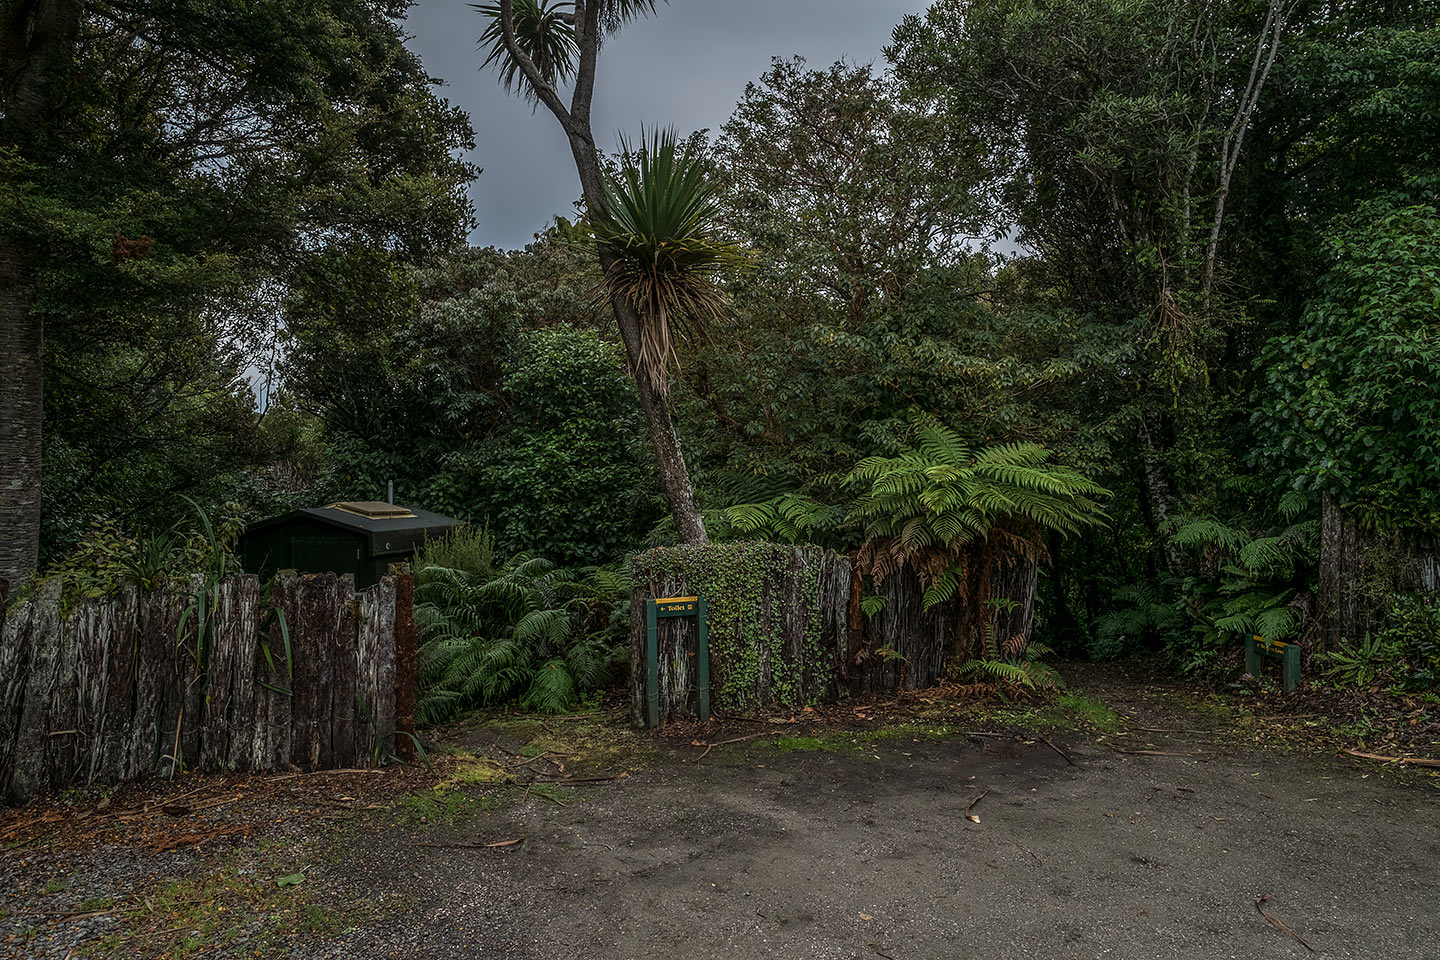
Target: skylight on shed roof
372,509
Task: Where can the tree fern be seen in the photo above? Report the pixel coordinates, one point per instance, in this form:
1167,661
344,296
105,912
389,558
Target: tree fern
941,494
1247,581
529,633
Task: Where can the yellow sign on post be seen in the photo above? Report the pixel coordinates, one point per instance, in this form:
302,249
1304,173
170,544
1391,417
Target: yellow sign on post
1271,646
677,606
1258,647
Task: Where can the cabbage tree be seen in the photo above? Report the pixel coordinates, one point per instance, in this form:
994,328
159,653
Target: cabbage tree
540,46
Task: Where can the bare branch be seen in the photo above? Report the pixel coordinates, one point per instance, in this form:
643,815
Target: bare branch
1234,140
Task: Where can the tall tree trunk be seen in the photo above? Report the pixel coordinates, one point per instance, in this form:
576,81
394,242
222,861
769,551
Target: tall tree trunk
575,120
37,48
669,458
1015,578
1158,495
1343,544
22,339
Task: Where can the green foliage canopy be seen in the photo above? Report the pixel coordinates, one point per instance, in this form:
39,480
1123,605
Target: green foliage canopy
1350,404
207,156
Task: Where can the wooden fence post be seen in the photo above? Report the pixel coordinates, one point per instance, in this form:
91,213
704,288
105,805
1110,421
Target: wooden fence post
406,643
343,711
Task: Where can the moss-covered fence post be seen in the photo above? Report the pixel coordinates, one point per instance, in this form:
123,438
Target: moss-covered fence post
779,626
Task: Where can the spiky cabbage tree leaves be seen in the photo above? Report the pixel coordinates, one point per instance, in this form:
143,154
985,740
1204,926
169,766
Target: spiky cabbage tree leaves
661,227
543,32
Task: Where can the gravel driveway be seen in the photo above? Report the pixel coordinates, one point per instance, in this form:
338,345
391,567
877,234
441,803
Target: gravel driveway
842,848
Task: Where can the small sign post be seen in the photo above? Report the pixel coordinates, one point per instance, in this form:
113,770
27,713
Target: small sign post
674,607
1289,654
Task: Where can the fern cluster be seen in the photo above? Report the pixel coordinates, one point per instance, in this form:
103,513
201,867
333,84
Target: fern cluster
1017,663
939,493
942,493
1252,580
530,633
1238,581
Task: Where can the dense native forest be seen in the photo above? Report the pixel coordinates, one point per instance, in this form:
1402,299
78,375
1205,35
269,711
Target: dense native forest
1146,290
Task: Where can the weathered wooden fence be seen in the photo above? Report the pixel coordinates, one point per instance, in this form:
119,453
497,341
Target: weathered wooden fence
787,628
211,679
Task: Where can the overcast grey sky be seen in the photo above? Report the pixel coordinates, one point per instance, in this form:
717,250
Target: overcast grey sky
687,66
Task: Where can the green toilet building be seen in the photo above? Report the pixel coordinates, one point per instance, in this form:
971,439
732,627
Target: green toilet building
359,538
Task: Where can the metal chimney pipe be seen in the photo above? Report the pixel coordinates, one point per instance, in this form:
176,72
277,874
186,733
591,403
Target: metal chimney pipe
390,492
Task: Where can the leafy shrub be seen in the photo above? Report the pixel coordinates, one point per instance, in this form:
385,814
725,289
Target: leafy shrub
529,633
470,550
1413,631
563,481
1404,654
1348,403
108,557
1360,664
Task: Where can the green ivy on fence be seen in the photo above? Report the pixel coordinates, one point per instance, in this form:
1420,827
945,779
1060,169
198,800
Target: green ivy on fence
748,587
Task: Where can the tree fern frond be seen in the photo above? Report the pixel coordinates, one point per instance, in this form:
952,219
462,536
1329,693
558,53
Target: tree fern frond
997,670
942,494
552,688
1275,623
942,589
1205,532
1042,675
1293,504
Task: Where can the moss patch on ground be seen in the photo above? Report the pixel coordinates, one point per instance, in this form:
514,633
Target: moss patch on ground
586,745
252,902
939,720
494,762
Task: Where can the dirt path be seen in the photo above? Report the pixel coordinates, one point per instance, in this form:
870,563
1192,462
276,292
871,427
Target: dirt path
863,849
866,851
